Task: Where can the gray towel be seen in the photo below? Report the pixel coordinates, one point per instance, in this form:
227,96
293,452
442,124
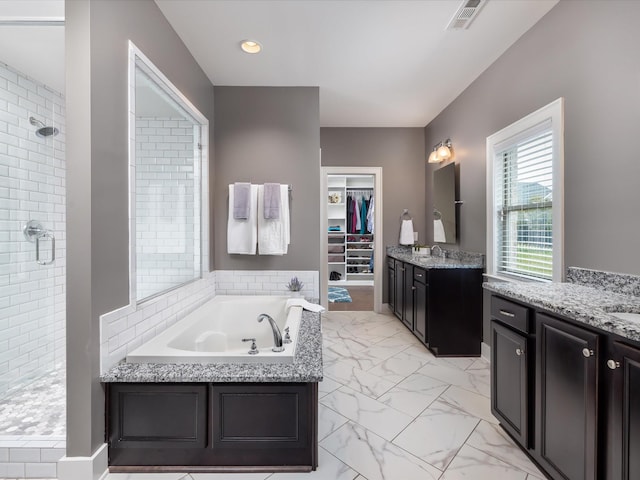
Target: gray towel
272,201
241,200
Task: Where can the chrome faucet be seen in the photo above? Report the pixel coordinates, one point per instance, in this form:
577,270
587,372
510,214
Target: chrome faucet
277,336
439,249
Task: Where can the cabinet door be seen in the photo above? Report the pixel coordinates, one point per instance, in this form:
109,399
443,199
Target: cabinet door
407,313
566,399
399,290
623,459
509,381
420,310
391,287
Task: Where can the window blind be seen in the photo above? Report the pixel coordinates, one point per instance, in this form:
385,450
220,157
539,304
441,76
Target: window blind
523,200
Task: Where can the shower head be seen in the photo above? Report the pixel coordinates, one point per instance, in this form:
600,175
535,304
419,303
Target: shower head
43,131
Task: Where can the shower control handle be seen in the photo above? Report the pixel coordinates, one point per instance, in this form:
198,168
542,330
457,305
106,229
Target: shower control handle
34,232
46,234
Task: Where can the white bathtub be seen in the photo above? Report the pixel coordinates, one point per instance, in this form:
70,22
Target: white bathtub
213,333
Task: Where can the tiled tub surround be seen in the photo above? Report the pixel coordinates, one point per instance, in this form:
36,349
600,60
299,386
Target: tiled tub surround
125,329
32,186
589,304
445,259
306,366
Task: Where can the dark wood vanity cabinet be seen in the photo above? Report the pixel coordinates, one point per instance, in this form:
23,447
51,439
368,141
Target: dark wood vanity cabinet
398,288
512,372
420,299
391,283
623,432
580,417
566,399
440,306
212,426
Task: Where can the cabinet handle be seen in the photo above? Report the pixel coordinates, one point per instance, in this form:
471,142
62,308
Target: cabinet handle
519,352
612,364
587,353
507,314
414,288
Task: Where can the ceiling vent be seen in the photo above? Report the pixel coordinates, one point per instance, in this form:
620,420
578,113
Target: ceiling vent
465,14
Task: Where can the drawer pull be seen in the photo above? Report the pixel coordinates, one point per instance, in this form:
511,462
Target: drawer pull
507,314
419,275
519,352
587,353
612,364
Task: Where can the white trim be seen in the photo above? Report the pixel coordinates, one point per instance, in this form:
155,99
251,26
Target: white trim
485,352
555,113
94,467
378,245
178,96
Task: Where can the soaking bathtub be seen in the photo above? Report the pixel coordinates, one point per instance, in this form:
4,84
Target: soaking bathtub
213,333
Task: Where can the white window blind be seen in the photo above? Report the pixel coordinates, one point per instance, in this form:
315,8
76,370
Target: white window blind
523,204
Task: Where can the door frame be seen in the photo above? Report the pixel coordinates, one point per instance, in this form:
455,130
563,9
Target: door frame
378,244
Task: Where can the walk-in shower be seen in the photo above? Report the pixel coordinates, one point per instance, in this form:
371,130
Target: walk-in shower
32,246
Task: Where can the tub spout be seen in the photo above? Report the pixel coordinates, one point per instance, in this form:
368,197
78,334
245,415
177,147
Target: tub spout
277,336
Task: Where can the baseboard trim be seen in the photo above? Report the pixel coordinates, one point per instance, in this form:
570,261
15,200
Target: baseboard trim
94,467
485,351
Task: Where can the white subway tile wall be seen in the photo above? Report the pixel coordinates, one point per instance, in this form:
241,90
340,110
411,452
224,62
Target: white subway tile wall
125,329
265,282
167,204
32,187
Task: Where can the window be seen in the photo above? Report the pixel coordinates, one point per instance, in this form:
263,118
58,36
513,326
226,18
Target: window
166,182
525,197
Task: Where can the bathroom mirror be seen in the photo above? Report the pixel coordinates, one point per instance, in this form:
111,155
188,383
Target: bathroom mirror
444,204
166,184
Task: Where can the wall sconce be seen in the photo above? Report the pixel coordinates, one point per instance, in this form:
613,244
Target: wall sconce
441,152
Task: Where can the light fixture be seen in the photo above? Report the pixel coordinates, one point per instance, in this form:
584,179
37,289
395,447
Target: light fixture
441,152
250,46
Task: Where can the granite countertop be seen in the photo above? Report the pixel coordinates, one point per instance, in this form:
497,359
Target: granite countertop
306,366
462,259
584,304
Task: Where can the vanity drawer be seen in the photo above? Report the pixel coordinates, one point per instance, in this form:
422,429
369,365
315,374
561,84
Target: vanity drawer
420,275
510,313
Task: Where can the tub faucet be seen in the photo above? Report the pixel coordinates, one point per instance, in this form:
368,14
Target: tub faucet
277,336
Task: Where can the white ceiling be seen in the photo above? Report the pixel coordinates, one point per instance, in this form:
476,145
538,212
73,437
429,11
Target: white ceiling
387,63
377,63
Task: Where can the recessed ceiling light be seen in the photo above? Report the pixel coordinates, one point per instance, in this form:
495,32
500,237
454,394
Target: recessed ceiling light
250,46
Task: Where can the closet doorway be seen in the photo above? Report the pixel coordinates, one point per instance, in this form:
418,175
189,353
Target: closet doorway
351,241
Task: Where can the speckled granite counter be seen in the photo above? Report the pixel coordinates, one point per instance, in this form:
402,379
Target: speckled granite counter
455,259
582,303
306,366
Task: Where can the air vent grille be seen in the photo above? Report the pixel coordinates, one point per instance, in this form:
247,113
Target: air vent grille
465,14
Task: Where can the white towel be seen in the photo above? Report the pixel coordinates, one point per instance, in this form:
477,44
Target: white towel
406,232
301,302
274,233
438,231
242,235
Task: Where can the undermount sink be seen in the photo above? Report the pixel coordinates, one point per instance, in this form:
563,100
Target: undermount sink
628,316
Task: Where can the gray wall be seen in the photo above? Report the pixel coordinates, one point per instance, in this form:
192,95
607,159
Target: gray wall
401,154
97,35
585,52
269,134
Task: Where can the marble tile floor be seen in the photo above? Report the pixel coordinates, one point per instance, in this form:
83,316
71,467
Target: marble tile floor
389,410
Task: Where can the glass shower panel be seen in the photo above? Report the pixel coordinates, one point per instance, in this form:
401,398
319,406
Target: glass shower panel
32,236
